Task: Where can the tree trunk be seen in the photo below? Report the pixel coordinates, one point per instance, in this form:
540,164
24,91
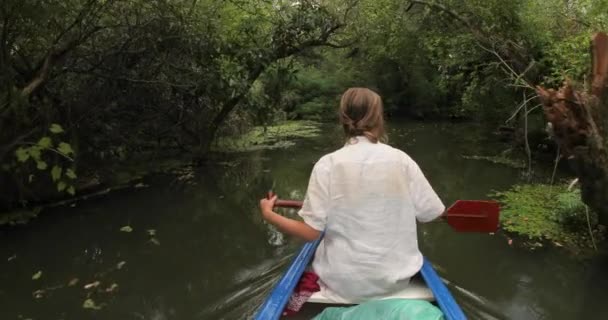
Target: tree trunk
580,124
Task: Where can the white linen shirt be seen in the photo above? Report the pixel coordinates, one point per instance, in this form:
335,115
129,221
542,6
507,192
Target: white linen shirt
367,197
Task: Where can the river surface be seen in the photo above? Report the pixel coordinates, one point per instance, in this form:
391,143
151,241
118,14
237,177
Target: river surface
198,249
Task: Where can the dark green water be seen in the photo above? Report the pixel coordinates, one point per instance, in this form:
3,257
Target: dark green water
216,259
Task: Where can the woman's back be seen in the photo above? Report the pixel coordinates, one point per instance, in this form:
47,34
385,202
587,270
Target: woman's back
367,196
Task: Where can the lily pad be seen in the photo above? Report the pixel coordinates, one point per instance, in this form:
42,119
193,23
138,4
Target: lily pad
73,282
91,285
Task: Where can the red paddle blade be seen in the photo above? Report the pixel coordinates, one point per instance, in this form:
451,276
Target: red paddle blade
474,216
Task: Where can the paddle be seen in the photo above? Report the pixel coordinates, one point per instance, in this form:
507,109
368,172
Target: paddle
462,216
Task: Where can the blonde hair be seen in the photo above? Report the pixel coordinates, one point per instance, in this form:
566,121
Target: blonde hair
361,114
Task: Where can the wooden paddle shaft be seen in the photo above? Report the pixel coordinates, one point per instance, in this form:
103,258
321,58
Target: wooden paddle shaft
463,216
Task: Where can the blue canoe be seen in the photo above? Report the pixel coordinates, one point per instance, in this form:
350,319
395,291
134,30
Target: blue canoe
273,307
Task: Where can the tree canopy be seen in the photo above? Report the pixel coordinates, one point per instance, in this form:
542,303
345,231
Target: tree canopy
87,84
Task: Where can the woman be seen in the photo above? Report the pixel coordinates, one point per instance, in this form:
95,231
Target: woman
366,196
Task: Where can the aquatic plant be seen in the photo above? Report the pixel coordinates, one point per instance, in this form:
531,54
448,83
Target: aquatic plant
549,213
271,137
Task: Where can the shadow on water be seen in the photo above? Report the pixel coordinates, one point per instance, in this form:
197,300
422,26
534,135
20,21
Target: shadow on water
214,258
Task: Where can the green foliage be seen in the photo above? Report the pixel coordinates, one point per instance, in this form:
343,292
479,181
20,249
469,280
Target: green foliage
130,79
542,212
39,155
135,79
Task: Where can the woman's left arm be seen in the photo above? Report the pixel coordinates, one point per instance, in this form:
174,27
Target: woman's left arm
290,226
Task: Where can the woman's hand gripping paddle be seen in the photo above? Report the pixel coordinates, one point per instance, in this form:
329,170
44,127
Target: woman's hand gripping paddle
462,216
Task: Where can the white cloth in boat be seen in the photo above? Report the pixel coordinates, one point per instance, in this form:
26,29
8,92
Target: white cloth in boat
367,197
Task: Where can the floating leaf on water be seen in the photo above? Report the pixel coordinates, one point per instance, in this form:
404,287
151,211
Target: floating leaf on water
38,294
90,304
92,285
37,275
73,282
155,241
120,265
151,232
126,229
111,288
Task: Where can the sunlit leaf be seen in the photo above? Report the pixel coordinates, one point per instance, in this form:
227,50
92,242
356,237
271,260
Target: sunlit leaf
151,232
126,229
70,174
35,153
71,190
90,304
41,165
45,142
61,186
155,241
22,154
56,173
37,275
73,282
65,148
120,265
55,128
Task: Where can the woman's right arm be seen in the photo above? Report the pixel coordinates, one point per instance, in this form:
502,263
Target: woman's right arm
426,202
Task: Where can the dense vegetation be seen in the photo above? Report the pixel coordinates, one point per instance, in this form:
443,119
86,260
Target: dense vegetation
89,85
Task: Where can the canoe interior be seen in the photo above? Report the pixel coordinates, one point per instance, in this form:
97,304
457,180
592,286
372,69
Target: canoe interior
416,290
310,310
